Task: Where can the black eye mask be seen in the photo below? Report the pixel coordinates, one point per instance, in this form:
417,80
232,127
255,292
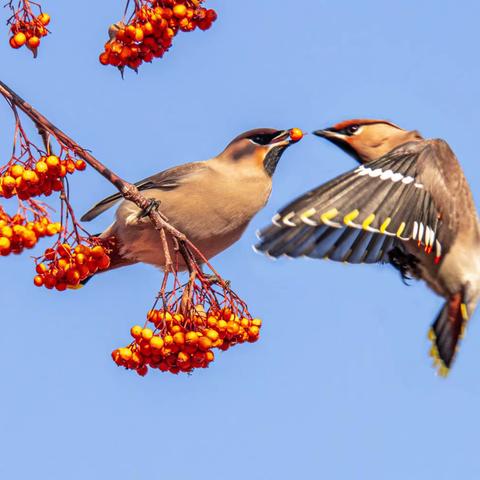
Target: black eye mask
264,138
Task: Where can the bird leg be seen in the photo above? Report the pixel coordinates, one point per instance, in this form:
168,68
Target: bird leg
405,263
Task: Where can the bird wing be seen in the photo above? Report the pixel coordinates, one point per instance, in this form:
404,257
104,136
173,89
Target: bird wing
166,180
361,215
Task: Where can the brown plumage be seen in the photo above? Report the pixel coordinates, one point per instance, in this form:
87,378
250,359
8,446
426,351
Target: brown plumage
210,201
368,140
408,204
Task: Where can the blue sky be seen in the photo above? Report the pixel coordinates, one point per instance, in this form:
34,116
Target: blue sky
340,385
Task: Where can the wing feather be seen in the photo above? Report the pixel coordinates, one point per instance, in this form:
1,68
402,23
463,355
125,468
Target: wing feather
387,198
166,180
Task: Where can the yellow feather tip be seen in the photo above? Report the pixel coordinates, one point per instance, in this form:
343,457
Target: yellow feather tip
438,363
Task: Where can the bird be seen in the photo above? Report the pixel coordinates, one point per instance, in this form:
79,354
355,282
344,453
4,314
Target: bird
408,203
211,202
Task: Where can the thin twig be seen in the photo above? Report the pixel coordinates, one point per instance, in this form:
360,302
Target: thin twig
127,190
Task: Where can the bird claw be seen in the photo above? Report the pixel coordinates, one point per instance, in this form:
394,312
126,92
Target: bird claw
153,205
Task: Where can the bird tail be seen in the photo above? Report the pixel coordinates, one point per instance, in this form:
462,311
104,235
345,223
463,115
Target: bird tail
447,331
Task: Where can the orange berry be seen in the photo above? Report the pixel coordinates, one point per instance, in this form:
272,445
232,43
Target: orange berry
191,337
33,42
147,28
103,262
30,176
232,327
13,43
20,39
41,167
73,276
296,134
147,334
8,182
211,321
209,356
254,331
52,161
44,18
136,358
97,251
130,31
136,331
104,58
204,343
212,335
17,171
179,338
139,34
156,342
116,357
4,243
183,357
180,10
38,281
80,165
125,353
6,232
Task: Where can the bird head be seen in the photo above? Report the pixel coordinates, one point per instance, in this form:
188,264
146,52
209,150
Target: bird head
367,140
262,147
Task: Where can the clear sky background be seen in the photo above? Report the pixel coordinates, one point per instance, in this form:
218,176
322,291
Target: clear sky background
340,385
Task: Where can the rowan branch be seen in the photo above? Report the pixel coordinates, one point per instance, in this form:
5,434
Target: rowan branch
129,191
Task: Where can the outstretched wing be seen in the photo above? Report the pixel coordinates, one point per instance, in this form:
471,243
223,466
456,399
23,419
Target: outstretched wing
360,215
166,180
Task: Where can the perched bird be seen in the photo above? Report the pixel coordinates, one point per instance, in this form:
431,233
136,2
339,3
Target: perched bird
408,204
211,201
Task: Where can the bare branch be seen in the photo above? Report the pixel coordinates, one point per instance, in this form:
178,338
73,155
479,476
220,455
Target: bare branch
128,190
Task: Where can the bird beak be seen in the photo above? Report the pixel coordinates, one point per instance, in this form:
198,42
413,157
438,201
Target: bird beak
339,140
283,138
287,137
328,133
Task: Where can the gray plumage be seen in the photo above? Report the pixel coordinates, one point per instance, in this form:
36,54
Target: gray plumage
211,201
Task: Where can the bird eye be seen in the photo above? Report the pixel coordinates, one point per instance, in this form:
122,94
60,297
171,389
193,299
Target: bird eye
261,139
352,129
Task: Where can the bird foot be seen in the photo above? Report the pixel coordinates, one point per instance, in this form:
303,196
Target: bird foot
153,205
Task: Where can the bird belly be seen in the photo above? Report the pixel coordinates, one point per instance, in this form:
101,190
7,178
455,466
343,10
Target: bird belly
211,222
459,267
145,245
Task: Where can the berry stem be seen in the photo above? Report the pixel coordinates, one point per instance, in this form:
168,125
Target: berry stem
128,190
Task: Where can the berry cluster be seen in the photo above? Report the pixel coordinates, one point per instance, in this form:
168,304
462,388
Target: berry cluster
41,178
66,266
28,29
18,234
180,343
149,33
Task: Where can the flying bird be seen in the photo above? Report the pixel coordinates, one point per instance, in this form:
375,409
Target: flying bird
211,201
409,204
